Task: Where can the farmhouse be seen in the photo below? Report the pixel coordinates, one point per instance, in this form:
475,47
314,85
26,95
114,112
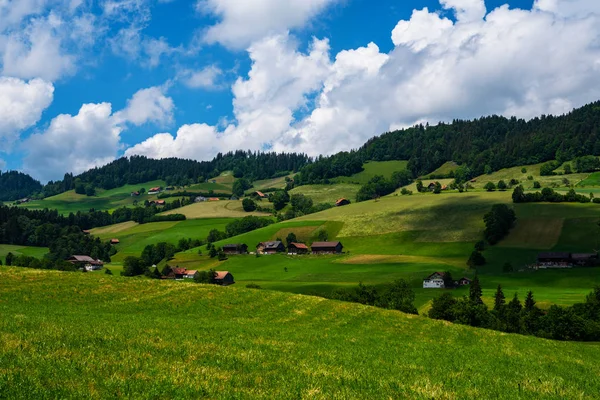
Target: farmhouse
554,260
25,200
585,259
270,247
463,282
259,194
342,202
190,274
154,190
327,247
178,273
435,281
431,186
224,278
135,194
86,262
235,249
297,248
214,199
115,241
200,199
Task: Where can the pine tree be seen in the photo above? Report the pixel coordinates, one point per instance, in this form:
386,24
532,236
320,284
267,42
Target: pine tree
529,301
499,299
515,305
475,291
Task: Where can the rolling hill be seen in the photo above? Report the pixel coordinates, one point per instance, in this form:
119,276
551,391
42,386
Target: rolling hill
176,340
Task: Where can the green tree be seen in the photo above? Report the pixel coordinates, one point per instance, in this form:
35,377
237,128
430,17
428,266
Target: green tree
133,266
402,178
420,186
480,245
529,301
475,291
476,259
490,187
537,185
249,205
498,222
488,170
240,186
9,259
568,169
279,199
213,252
502,185
524,170
107,271
90,190
442,307
499,300
398,296
291,238
437,188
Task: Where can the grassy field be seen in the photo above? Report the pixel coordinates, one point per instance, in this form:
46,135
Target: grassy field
214,209
328,193
371,169
445,169
135,338
37,252
274,183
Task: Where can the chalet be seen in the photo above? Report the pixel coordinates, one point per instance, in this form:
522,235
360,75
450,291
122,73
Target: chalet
190,274
435,281
178,273
431,187
135,194
235,249
160,202
444,187
554,260
169,188
200,199
463,282
270,247
115,241
259,195
154,190
327,247
342,202
25,200
86,262
224,278
297,248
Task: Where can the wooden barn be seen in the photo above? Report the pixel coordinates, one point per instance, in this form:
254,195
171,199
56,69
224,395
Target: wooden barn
270,247
259,195
115,241
86,262
235,249
224,278
327,247
342,202
297,248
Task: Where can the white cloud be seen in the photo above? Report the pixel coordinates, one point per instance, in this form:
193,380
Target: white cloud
148,105
21,106
133,45
2,165
206,78
508,61
73,143
12,12
243,22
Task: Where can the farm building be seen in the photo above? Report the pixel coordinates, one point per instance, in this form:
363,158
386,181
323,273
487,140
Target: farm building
22,201
235,249
259,194
585,259
190,274
135,194
566,260
327,247
200,199
463,282
214,199
154,190
86,262
224,278
115,241
270,247
431,186
178,273
342,202
297,248
435,281
158,203
169,188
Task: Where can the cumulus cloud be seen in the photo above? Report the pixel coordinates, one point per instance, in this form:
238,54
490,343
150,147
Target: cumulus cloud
133,45
244,22
21,106
502,61
206,78
148,105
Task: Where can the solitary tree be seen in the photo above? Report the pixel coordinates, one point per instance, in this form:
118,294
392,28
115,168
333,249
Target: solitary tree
490,187
502,186
499,299
9,258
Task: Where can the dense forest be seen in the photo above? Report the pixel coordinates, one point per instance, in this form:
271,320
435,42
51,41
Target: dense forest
481,145
17,185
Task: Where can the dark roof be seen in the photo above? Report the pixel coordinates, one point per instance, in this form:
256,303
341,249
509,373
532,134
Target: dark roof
82,258
325,244
442,274
583,256
299,245
232,246
465,279
554,255
271,245
341,201
179,271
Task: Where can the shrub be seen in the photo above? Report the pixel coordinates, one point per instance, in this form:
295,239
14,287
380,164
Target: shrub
530,178
490,187
502,186
249,205
253,286
406,192
524,170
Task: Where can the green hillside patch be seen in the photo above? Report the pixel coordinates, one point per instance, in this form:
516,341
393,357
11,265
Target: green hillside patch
444,170
214,209
593,179
371,169
274,183
37,252
328,193
531,170
535,233
239,343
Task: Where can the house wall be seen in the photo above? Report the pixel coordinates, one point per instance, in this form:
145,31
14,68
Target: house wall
433,284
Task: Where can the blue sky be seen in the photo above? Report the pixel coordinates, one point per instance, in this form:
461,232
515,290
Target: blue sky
86,81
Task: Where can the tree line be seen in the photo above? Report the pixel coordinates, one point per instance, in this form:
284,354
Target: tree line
579,322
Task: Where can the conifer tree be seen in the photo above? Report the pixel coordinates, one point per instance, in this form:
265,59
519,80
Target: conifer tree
475,291
529,301
499,299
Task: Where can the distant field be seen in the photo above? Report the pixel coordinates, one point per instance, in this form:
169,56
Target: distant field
328,193
445,169
275,183
58,328
214,209
37,252
592,180
371,169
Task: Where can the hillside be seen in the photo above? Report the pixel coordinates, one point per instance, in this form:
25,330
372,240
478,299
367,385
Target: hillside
174,340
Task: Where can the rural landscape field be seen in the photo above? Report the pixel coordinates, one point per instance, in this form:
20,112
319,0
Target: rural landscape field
299,199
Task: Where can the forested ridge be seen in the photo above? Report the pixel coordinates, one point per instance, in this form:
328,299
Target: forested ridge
488,143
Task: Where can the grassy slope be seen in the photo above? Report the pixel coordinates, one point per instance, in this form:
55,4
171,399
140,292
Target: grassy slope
371,169
214,209
37,252
328,193
445,169
192,341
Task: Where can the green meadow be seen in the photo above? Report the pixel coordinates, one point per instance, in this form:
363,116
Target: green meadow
371,169
37,252
71,335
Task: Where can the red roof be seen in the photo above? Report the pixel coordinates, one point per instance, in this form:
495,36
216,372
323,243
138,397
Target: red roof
160,202
179,271
299,245
214,199
192,272
325,244
221,274
155,189
115,241
261,194
340,201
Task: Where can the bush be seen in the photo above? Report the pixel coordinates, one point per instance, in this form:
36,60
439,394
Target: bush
490,187
502,186
536,185
249,205
524,170
498,223
406,192
253,286
530,178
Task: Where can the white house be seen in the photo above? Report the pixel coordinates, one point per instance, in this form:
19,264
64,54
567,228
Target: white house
434,281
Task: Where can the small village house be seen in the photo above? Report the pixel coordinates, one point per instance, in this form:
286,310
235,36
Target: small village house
224,278
297,248
190,274
115,241
214,199
154,190
342,202
431,187
200,199
463,282
327,247
231,249
135,194
260,195
270,247
86,262
554,260
584,259
178,273
435,281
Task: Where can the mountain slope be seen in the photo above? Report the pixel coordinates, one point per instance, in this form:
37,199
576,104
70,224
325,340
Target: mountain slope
74,336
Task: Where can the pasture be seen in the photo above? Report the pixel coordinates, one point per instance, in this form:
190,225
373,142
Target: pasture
214,209
177,340
328,193
372,169
37,252
444,169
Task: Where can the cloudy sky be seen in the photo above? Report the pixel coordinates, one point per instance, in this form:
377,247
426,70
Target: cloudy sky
83,82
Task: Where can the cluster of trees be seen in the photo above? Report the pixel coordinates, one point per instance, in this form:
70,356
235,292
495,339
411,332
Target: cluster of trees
325,168
17,185
501,185
498,222
549,195
379,186
580,322
36,263
397,296
301,205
